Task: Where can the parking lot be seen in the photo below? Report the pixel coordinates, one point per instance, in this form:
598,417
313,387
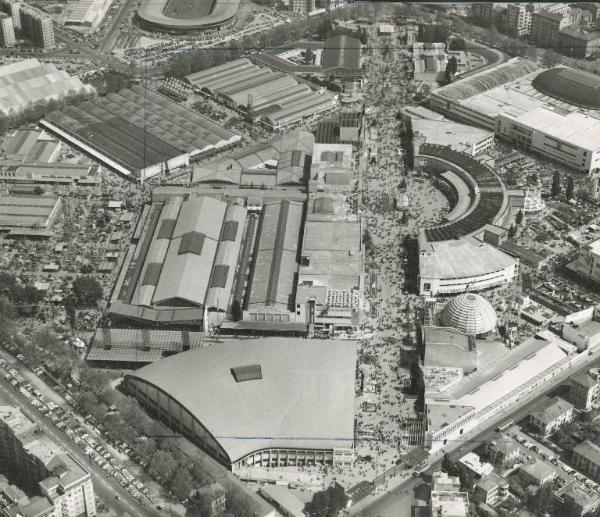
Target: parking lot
83,433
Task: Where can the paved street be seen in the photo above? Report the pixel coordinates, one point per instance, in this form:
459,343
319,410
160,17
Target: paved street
106,488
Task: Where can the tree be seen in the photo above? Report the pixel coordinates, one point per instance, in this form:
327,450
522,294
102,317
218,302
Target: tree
95,381
447,465
512,231
86,291
541,503
327,503
555,189
451,68
236,310
457,44
570,192
182,484
519,217
7,318
86,402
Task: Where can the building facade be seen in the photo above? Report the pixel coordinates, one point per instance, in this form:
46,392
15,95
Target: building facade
551,415
7,31
584,389
519,19
482,12
13,9
545,28
586,458
528,131
37,27
490,490
587,263
36,464
576,42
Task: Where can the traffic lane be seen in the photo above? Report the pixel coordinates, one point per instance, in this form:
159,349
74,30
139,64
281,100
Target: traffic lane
107,488
108,41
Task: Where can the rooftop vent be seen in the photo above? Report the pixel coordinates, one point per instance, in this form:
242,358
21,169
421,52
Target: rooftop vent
250,372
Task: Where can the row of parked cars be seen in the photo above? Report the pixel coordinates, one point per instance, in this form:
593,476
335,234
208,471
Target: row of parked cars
76,430
555,459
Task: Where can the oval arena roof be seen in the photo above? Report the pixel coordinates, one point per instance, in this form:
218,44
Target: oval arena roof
152,11
254,394
569,85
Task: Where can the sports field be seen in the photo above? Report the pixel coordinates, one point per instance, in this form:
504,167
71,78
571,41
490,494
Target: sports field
188,8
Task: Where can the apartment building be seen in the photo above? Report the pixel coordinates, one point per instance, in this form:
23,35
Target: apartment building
13,9
482,12
586,459
7,31
504,451
491,490
545,27
518,19
550,415
584,389
34,463
37,26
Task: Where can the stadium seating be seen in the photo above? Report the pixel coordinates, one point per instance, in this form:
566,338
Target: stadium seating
485,181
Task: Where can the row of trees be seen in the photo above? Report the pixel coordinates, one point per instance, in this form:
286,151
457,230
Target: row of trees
191,61
151,440
556,188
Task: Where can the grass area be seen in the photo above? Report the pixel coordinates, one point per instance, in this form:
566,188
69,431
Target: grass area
188,8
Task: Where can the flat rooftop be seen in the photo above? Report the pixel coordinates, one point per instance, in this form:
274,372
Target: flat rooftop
461,258
458,136
569,126
500,377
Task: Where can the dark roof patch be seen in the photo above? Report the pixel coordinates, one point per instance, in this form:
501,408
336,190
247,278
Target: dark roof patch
192,242
166,229
230,229
152,274
250,372
219,275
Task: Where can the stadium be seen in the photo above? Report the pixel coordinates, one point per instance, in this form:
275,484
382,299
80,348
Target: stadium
138,132
552,112
454,255
240,400
177,16
274,98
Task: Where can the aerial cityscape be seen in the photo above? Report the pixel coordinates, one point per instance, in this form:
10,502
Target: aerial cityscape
299,258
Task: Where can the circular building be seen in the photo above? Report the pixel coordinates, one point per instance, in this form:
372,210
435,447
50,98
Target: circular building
569,85
470,314
257,402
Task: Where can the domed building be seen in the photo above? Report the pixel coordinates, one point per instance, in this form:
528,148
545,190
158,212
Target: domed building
470,314
569,85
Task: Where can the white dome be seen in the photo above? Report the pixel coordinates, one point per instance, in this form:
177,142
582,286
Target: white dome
470,314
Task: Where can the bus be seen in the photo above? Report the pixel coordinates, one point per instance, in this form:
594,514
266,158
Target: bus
505,425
